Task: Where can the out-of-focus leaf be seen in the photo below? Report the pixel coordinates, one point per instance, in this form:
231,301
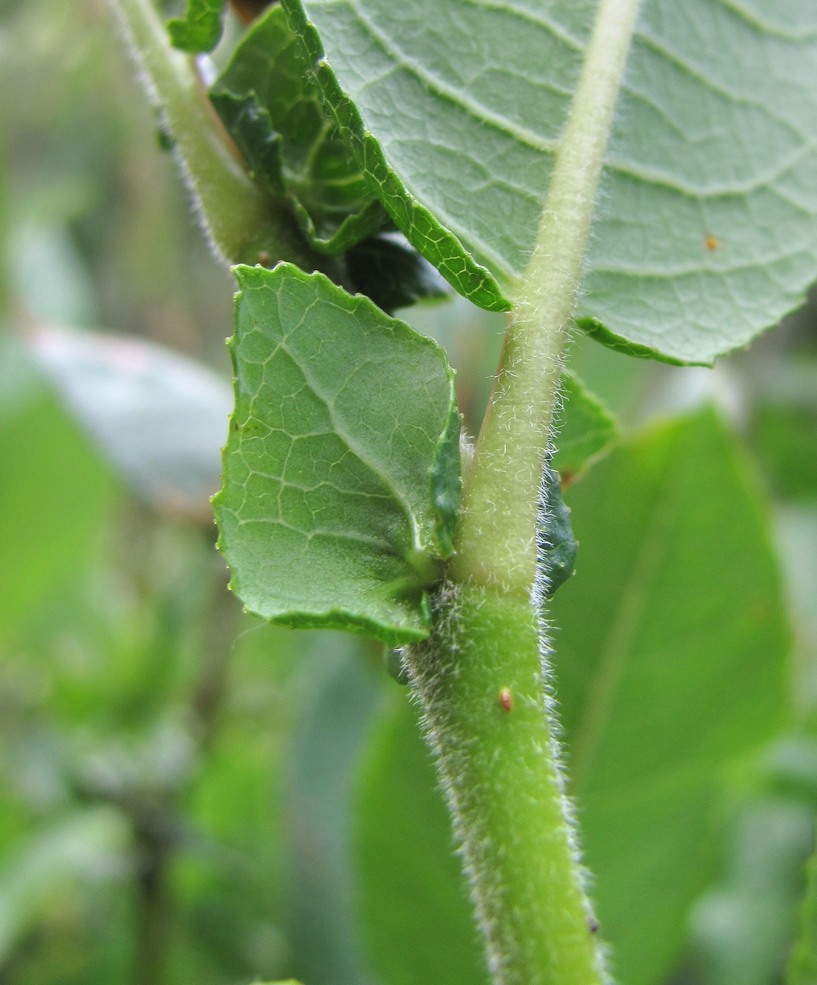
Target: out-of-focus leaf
586,429
783,429
270,102
742,930
796,529
86,844
160,418
328,743
803,965
707,234
330,513
289,981
413,900
199,30
679,674
55,492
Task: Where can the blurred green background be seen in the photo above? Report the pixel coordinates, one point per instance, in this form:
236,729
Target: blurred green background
178,783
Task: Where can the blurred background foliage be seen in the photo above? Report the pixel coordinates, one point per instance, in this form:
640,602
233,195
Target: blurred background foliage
183,790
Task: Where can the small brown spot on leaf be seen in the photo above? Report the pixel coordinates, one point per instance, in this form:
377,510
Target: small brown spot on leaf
712,242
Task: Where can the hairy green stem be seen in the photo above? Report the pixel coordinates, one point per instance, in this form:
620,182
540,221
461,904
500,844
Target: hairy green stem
479,678
497,541
240,222
479,684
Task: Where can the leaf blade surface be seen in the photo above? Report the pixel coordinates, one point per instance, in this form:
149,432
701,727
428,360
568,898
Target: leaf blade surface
327,514
706,231
679,675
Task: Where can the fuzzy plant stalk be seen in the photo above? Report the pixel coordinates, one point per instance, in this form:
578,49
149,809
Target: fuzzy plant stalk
487,711
241,223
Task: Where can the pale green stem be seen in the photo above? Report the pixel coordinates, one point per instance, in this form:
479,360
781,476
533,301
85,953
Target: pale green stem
479,677
497,541
239,220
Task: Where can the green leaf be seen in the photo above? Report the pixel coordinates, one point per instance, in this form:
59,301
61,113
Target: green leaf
329,515
392,273
249,124
586,428
680,673
556,543
85,843
329,741
56,494
413,900
742,929
707,231
783,425
803,965
200,28
270,103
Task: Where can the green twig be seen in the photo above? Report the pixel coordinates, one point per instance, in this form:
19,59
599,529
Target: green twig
479,677
497,541
241,223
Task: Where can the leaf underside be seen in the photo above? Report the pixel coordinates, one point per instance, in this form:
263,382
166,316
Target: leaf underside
331,512
199,30
707,232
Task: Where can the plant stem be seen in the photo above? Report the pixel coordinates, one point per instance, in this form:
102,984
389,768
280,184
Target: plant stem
239,220
479,676
497,540
479,684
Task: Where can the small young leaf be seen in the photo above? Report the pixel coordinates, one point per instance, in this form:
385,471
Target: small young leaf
249,124
270,103
556,545
586,428
330,514
199,30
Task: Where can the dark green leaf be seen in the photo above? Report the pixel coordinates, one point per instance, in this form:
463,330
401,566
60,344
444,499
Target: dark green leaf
586,428
270,103
329,515
413,900
392,273
249,124
199,29
708,230
446,484
680,672
556,544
